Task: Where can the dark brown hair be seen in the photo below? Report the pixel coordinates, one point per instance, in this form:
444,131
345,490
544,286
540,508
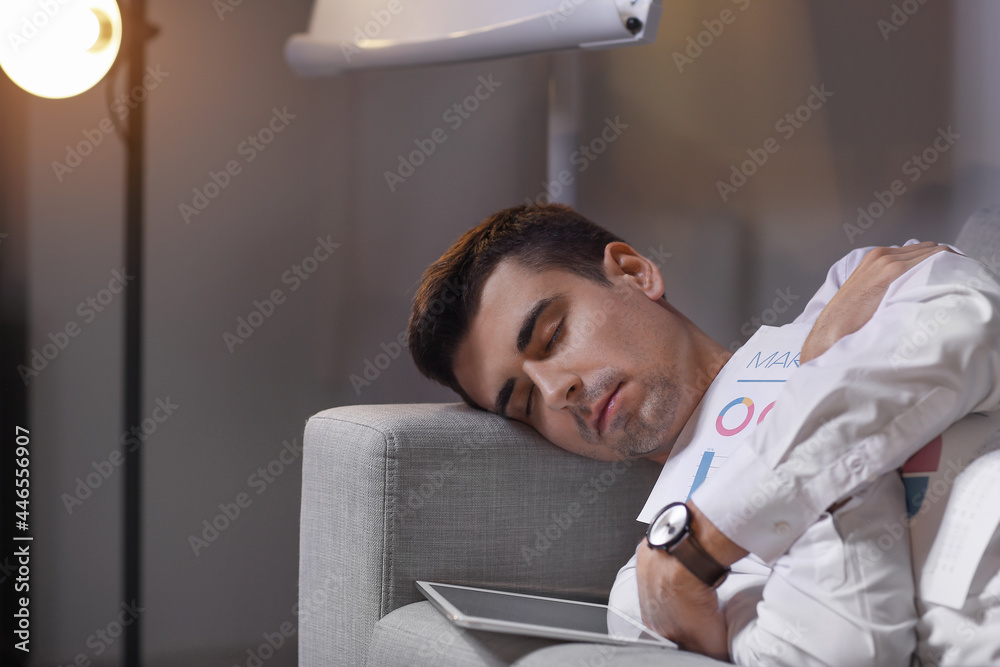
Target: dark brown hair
540,237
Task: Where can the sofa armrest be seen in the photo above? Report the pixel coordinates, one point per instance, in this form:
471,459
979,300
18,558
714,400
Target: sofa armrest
444,492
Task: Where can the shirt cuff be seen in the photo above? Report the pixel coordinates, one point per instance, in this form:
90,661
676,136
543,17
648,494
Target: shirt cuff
754,505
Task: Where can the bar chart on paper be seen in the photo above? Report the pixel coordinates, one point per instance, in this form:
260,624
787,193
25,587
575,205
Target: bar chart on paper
710,460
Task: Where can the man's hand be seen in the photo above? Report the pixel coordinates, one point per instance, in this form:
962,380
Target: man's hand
675,603
858,298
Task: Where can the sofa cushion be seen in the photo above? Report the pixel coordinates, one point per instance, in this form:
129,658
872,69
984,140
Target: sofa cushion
608,655
418,634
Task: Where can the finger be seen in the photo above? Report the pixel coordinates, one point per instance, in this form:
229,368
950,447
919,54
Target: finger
903,249
921,254
893,262
883,255
917,248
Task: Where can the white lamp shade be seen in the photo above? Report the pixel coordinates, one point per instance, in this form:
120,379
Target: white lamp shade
58,48
352,34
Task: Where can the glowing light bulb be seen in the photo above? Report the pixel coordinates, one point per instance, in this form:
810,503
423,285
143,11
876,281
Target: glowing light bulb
83,29
59,48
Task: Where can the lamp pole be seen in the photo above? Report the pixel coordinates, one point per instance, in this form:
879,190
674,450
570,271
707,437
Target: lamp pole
136,33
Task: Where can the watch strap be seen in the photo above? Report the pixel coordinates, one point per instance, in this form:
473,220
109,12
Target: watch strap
698,561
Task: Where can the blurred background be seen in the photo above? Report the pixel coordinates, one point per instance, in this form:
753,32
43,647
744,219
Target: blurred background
227,401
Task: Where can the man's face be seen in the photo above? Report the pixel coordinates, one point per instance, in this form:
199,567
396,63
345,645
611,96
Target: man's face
599,371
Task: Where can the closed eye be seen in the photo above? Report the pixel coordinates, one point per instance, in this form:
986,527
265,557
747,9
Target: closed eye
555,337
548,348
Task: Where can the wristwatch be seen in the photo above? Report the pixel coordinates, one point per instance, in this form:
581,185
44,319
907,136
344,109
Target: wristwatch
671,531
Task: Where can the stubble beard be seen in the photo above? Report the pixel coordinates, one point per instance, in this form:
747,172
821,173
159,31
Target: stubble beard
646,430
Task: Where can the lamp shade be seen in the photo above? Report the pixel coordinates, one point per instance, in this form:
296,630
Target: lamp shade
357,34
58,48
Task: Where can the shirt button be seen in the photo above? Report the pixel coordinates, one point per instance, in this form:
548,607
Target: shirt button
855,464
782,527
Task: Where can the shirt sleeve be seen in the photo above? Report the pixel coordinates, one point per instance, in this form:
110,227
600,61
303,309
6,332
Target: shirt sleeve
929,355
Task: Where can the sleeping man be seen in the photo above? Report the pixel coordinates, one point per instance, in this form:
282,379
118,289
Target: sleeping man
563,326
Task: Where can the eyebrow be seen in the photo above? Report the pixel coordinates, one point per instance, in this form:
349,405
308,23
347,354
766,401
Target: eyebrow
524,336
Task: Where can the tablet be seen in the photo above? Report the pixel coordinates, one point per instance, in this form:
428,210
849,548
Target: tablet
515,613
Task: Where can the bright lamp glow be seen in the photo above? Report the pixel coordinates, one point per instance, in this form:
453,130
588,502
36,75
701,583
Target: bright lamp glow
58,48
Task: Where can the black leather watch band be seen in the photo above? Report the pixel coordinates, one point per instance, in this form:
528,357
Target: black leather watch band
698,561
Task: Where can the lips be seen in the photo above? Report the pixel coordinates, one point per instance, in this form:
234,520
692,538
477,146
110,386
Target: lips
605,409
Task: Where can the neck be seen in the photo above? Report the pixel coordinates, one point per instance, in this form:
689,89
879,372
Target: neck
709,358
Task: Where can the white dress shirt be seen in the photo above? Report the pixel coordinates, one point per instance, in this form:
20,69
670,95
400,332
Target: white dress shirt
929,355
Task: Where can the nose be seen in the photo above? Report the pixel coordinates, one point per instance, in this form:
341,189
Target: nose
557,386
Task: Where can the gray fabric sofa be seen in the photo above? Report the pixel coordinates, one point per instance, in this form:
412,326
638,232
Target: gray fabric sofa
443,492
396,493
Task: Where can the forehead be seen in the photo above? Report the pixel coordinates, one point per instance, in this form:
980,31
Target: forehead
515,287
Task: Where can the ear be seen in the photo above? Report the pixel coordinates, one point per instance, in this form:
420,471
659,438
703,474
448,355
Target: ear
622,261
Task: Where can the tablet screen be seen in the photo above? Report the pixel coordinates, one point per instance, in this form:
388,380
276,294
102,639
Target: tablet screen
540,616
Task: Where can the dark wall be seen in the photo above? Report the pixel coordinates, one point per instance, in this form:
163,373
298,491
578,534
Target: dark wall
13,339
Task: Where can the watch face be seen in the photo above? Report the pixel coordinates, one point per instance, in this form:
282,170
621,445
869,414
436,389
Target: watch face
668,526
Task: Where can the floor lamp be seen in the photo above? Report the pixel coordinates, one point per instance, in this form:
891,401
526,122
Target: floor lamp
58,51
